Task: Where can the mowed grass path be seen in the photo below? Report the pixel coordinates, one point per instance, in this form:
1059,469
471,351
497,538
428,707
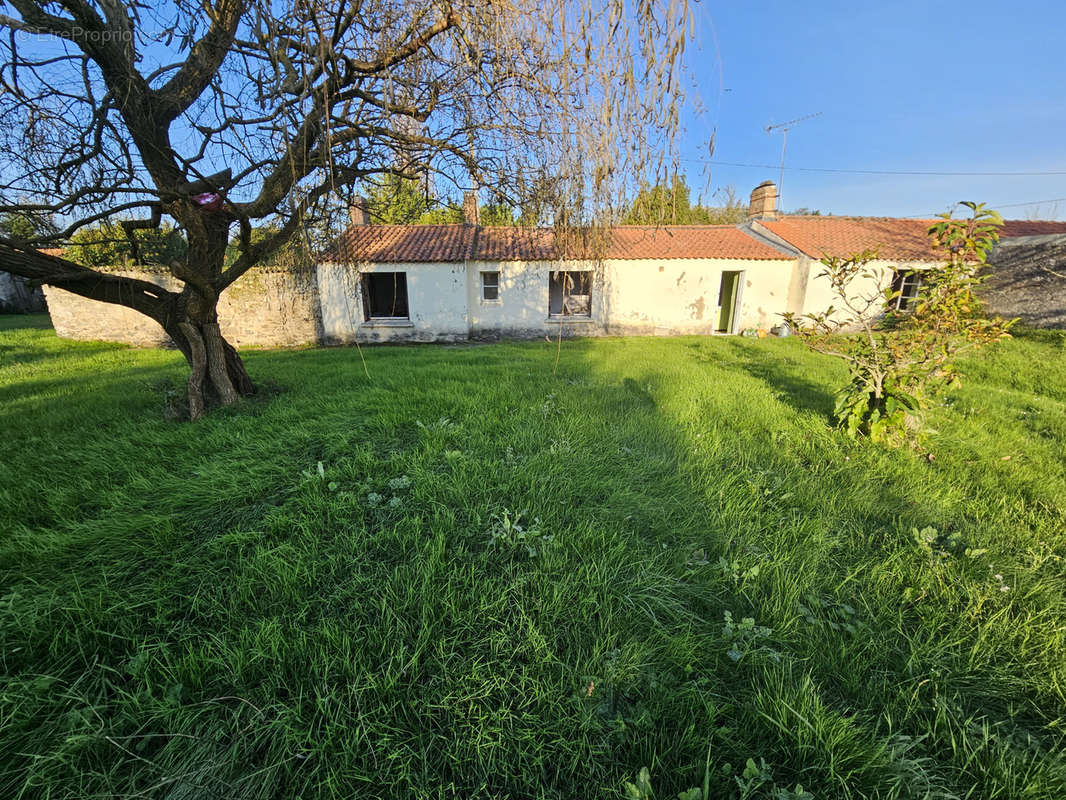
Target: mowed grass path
326,593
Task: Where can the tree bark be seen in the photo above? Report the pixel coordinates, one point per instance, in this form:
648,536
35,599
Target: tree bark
217,374
220,376
216,365
190,317
198,368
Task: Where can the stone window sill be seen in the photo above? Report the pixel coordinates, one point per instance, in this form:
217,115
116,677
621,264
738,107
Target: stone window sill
560,319
387,323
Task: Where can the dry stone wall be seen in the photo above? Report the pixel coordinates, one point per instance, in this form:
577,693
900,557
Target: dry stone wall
261,309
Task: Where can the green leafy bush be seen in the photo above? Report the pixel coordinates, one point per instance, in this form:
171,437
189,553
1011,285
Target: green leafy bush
899,359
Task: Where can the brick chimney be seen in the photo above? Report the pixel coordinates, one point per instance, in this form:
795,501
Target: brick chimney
357,211
763,201
470,212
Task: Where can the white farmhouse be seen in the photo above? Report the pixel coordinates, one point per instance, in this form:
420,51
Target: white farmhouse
424,283
448,282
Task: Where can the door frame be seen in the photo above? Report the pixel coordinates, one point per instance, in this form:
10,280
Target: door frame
737,297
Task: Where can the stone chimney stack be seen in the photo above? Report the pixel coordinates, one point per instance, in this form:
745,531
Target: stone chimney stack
357,211
763,201
470,211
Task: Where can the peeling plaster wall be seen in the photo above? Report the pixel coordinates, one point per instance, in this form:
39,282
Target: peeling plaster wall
522,308
640,297
764,294
680,296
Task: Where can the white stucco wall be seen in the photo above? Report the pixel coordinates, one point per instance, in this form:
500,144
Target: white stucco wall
638,297
629,297
522,307
765,294
820,294
436,300
678,296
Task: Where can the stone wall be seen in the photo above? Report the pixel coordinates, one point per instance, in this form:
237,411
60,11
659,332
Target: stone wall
262,308
1027,280
272,309
75,317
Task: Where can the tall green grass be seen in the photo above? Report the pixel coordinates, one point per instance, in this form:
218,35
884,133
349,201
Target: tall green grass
465,576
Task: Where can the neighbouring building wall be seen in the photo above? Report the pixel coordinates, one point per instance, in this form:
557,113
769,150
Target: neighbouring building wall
17,298
261,308
1027,280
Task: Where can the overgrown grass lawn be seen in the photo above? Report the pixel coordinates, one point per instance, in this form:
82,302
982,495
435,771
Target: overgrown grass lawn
464,576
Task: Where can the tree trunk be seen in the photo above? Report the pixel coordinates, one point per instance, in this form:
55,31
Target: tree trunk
217,376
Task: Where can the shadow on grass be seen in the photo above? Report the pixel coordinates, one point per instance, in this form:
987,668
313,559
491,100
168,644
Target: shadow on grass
782,373
1050,336
12,354
671,498
18,322
808,510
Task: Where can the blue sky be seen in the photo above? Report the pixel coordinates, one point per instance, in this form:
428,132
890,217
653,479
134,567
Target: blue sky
910,86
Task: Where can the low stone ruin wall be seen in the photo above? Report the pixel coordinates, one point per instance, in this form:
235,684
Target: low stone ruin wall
261,309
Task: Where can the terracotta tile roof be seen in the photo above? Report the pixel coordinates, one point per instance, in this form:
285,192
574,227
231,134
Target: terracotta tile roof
894,239
689,241
393,243
514,244
1025,227
447,243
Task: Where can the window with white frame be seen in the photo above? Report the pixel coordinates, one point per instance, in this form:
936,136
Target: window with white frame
905,286
570,293
490,286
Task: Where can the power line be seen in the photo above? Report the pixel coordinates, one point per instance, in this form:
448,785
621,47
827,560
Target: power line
874,171
997,206
1029,203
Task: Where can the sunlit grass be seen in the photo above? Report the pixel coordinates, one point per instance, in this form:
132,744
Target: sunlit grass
467,577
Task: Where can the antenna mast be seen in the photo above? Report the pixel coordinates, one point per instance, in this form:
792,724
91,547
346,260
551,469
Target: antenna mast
785,127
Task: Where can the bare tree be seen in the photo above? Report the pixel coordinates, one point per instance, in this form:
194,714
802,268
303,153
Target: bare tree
233,115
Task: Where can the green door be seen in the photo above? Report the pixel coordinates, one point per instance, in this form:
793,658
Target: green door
727,301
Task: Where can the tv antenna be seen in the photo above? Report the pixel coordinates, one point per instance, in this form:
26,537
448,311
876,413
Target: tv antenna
785,127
